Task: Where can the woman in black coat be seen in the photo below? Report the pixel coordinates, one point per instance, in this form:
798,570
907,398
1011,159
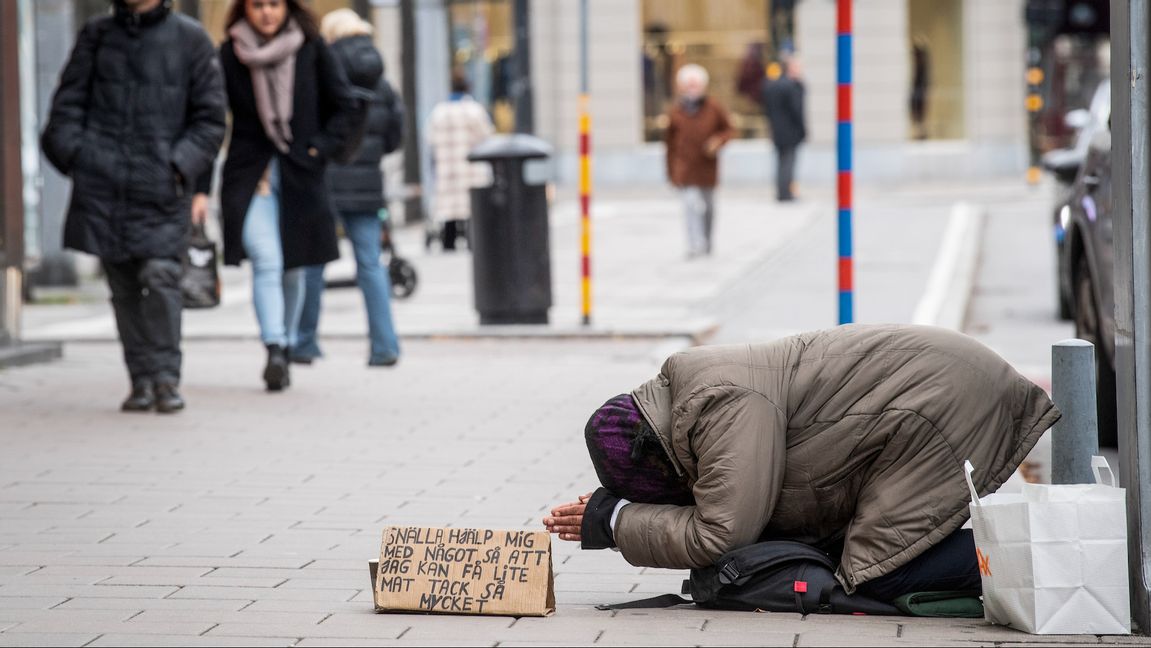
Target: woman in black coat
292,111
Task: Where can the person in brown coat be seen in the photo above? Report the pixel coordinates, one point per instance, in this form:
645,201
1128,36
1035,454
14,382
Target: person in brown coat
850,439
698,127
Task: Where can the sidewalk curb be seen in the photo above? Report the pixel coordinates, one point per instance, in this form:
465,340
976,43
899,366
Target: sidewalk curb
696,332
949,286
26,353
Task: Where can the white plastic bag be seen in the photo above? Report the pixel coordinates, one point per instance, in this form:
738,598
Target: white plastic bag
1054,558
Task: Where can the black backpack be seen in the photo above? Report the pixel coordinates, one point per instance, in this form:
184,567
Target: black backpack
773,576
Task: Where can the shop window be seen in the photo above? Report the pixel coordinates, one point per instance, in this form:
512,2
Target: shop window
482,41
935,95
735,40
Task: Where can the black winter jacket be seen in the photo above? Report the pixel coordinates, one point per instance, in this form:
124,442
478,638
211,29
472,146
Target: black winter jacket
358,187
324,115
138,115
783,103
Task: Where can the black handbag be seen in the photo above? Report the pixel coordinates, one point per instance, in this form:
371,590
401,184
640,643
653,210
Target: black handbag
200,284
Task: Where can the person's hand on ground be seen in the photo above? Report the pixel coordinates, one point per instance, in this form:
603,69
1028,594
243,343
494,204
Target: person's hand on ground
199,209
566,519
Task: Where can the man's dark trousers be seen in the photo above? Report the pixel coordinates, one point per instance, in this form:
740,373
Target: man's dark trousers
148,304
785,171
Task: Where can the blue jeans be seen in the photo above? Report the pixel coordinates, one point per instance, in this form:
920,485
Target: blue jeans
277,294
363,230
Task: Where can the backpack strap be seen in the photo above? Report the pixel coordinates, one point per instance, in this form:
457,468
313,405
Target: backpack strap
825,606
662,601
799,588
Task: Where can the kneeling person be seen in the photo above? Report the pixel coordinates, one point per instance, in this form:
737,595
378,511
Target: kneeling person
850,439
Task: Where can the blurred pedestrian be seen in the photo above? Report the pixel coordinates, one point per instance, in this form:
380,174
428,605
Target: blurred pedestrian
783,100
920,85
698,127
749,79
292,111
358,192
132,157
455,126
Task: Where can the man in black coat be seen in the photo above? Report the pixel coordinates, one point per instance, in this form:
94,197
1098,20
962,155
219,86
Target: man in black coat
783,103
137,117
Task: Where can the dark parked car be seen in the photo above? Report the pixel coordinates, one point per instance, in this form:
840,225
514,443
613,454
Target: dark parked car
1083,235
1065,164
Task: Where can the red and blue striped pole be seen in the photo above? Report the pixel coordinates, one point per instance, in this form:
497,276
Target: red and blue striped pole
843,157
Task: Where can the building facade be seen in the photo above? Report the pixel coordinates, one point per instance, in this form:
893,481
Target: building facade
974,122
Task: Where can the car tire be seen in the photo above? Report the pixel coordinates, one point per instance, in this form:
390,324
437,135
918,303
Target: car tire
1087,328
1065,312
1062,292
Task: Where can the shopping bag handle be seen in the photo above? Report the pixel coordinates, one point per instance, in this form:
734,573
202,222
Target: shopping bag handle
967,470
1098,465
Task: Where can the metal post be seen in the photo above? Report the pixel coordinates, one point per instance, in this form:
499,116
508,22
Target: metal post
584,169
843,158
12,350
11,178
521,88
413,191
1075,438
1131,203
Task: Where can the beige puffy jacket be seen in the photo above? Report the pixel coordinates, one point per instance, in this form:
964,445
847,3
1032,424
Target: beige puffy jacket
856,433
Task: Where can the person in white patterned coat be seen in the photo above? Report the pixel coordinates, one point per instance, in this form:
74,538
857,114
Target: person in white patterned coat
454,128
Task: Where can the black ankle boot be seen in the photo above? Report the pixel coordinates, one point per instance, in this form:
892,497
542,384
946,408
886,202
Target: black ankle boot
276,371
168,399
142,398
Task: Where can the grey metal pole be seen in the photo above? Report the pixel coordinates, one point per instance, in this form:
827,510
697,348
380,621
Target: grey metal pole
584,90
521,89
413,200
1131,202
11,177
1075,438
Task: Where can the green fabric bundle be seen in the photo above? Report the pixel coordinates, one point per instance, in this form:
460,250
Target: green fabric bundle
952,605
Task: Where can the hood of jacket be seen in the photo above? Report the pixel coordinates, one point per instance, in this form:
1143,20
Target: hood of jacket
361,62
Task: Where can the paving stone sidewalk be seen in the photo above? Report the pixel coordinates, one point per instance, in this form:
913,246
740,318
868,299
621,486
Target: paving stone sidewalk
249,518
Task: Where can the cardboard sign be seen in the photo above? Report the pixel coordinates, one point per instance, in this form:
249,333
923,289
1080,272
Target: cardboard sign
464,571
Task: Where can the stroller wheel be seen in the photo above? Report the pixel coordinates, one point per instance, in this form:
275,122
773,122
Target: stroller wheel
403,277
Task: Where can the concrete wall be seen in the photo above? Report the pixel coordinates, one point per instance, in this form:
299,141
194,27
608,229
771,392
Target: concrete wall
614,61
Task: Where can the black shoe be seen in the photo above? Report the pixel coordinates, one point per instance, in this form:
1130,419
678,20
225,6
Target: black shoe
276,371
382,361
168,399
142,398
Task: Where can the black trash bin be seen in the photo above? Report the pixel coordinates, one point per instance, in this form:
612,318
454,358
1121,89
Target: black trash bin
511,255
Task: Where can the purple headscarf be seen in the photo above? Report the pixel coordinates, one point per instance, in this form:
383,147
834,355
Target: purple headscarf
629,458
